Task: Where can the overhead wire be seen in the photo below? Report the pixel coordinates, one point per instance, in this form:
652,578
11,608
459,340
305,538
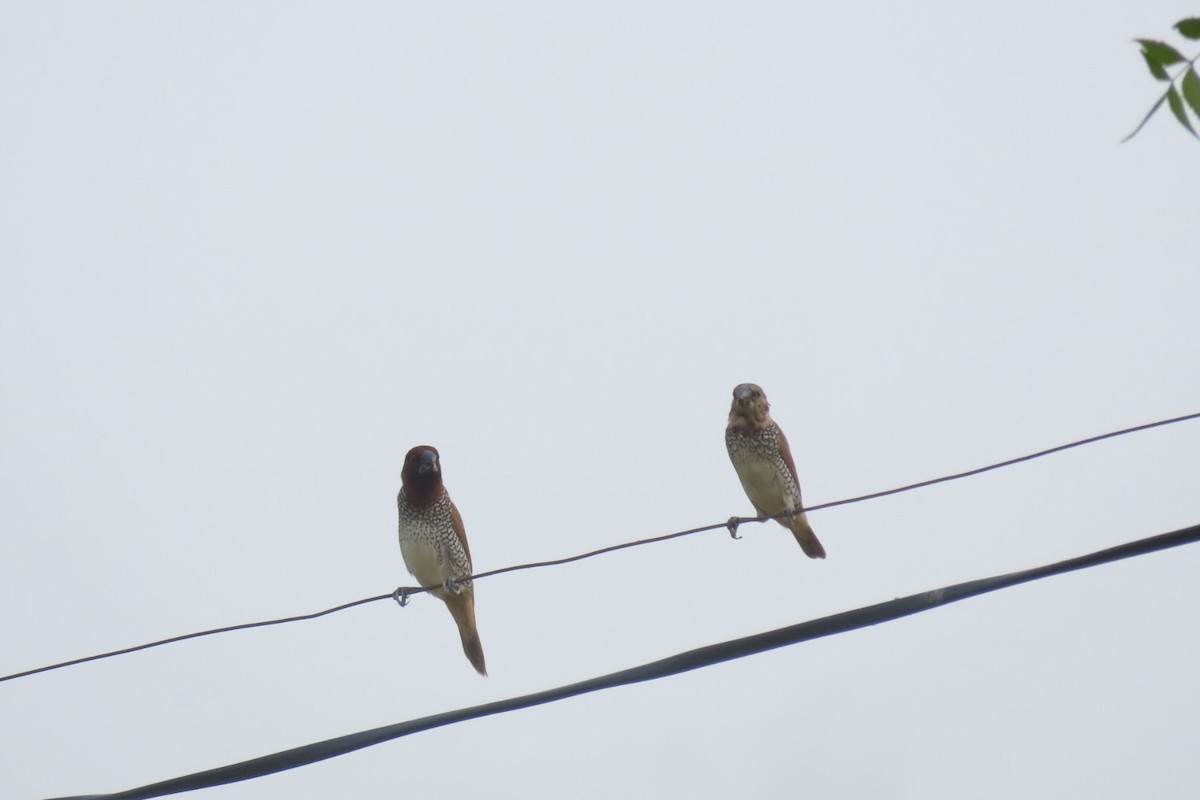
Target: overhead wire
732,524
184,637
673,665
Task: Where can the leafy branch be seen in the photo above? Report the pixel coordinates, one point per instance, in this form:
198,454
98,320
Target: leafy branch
1183,88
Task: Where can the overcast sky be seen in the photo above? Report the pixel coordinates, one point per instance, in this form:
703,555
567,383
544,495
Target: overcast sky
252,252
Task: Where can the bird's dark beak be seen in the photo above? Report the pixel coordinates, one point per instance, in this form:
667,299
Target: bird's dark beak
741,393
428,462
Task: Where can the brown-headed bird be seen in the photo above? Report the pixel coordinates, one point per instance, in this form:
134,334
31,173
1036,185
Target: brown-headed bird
760,454
434,544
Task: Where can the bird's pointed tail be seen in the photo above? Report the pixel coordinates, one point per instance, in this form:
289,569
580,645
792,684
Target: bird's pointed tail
462,608
807,539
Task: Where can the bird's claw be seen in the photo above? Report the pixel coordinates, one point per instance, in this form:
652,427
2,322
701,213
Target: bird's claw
401,596
732,525
452,585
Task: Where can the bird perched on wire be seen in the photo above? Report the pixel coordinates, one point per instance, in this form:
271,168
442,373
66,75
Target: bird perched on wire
760,454
434,544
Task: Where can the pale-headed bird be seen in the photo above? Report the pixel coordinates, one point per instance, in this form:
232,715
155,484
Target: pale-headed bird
760,454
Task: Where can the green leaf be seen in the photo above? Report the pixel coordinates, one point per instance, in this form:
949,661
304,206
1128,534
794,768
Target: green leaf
1191,90
1179,111
1156,69
1161,52
1189,28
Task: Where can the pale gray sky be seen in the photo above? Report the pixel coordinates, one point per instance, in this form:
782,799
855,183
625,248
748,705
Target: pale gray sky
253,252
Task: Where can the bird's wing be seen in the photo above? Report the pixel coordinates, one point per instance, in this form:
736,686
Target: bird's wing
786,452
456,519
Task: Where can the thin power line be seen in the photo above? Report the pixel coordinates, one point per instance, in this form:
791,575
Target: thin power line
673,665
1009,462
731,525
196,635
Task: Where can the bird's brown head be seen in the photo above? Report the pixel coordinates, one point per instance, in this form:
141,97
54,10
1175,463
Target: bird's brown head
750,406
422,473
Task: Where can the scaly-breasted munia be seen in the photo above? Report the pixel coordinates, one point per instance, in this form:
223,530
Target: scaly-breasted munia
760,454
434,544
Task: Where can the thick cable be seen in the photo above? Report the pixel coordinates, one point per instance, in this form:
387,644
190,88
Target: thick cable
673,665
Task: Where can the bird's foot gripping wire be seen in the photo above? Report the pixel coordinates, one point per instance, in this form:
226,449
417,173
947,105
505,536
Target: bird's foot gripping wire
401,596
732,525
452,585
